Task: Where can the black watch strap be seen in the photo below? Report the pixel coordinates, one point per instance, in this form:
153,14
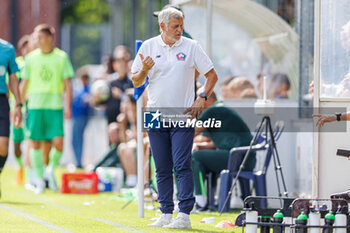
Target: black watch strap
19,105
203,95
338,115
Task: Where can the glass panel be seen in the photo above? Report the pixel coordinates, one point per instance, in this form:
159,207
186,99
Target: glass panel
335,49
249,40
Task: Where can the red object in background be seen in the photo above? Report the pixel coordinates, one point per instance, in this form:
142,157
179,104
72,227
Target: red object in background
79,183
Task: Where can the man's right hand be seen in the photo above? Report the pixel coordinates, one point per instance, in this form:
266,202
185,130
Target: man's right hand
147,63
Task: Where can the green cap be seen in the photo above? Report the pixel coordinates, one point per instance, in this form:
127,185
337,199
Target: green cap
278,214
330,215
302,216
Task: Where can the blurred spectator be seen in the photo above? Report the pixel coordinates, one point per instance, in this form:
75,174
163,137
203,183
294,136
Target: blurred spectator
80,113
279,86
248,93
225,91
119,81
126,150
238,85
127,117
107,62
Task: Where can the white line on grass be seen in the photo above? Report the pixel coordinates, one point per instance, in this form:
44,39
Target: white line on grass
61,206
118,225
32,218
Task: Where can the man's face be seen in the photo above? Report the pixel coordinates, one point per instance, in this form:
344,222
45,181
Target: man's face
44,39
174,29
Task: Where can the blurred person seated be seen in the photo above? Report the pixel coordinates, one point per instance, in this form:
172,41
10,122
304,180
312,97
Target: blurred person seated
212,145
248,93
279,86
81,112
119,81
225,91
127,149
238,85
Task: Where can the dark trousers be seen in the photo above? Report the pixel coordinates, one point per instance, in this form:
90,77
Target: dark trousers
4,116
171,148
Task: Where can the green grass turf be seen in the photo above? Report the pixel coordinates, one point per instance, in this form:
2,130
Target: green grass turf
82,213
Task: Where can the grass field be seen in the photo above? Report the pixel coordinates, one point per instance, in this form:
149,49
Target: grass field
23,211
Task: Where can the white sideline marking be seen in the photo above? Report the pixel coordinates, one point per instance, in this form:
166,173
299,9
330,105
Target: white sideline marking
32,218
61,206
118,225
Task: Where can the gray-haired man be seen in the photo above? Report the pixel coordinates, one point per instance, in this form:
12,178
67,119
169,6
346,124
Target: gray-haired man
170,61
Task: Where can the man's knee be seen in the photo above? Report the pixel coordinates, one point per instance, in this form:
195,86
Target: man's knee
58,143
4,145
35,145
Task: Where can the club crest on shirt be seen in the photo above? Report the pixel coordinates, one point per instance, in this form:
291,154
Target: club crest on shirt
181,56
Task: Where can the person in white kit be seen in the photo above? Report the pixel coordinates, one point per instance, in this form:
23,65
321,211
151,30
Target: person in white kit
170,61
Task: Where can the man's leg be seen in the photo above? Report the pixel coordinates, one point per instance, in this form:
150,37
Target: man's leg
181,145
54,159
36,129
4,143
79,125
127,158
54,131
161,151
46,148
37,162
4,131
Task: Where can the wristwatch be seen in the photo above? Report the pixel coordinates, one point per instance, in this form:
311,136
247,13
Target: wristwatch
203,95
338,115
19,105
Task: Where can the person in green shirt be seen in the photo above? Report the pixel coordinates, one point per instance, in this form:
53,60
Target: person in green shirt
46,75
211,148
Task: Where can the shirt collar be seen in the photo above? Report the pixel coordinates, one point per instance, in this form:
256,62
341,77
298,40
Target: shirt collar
161,42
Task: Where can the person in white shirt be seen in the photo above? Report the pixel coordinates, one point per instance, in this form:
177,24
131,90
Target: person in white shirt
170,61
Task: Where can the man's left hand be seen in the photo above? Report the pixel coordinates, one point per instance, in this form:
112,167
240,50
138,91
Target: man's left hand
196,108
18,117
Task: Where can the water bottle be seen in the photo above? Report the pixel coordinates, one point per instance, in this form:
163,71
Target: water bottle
119,179
278,218
300,222
251,215
341,219
265,229
314,219
328,222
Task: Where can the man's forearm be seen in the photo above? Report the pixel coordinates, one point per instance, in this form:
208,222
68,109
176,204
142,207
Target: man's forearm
209,85
14,87
69,93
139,78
